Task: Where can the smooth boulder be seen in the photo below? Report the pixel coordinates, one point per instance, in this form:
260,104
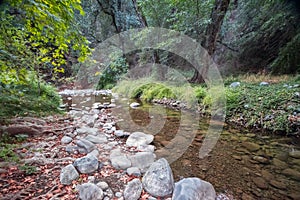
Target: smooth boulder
158,180
193,189
139,139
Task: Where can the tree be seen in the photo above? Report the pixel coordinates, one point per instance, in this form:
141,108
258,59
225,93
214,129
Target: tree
209,43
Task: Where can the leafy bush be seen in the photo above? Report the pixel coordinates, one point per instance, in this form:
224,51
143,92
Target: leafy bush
112,73
200,93
32,98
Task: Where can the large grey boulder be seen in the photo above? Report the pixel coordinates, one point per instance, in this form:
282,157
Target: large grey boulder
97,139
86,164
90,191
158,180
142,160
193,189
133,190
68,174
139,138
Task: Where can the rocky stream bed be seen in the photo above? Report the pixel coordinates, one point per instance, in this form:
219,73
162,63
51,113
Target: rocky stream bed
92,153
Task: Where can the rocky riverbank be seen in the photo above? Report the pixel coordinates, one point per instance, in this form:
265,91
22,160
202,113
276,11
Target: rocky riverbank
121,165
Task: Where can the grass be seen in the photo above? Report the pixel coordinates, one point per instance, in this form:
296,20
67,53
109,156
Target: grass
273,108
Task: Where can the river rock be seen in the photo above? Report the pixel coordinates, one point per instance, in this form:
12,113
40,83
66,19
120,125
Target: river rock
72,149
261,159
103,185
250,146
294,174
87,130
89,119
158,180
119,133
148,148
235,84
279,164
294,154
138,138
278,184
86,164
264,83
119,160
90,191
134,171
133,190
87,145
98,139
66,140
194,189
68,174
260,182
142,160
134,105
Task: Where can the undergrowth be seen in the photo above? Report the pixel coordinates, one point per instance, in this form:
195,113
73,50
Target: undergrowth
30,99
275,107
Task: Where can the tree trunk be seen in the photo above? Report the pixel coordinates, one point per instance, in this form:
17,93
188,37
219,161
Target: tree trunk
212,31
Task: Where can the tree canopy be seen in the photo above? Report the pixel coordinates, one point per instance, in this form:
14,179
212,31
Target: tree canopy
37,34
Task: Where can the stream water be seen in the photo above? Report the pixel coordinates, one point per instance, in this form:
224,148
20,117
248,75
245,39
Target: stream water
244,164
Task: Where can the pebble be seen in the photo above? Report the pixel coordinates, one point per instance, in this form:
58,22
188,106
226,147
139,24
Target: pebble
103,185
118,194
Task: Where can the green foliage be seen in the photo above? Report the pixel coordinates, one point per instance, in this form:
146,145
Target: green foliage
250,105
28,169
7,148
200,93
7,152
28,99
190,16
117,67
288,60
264,29
264,107
36,35
152,91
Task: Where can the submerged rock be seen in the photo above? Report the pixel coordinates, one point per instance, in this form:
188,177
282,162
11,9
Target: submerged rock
295,154
193,189
158,180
